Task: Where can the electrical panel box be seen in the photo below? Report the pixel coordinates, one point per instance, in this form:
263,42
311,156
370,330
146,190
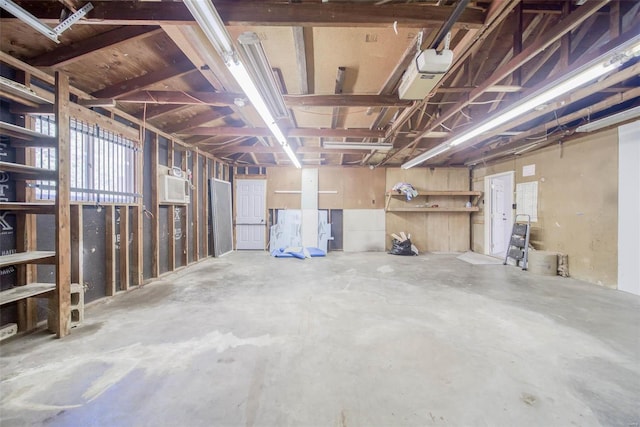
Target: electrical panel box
424,72
173,186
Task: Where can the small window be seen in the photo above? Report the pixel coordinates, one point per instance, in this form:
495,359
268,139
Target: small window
103,163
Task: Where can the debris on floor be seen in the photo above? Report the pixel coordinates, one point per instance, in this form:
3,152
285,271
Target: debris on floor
297,252
401,245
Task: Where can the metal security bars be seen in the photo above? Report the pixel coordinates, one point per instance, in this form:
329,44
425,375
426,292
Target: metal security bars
103,164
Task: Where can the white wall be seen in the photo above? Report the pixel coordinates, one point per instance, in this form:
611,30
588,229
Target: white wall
629,208
364,230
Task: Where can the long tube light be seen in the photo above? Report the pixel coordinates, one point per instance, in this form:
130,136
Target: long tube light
213,27
592,70
611,120
369,146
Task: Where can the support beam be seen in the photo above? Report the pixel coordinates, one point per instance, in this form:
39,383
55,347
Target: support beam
60,304
64,55
200,119
260,13
155,209
110,250
297,132
133,85
159,97
301,58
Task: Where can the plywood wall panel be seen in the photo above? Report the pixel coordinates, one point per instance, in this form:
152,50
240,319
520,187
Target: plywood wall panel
331,179
364,188
431,231
577,203
283,179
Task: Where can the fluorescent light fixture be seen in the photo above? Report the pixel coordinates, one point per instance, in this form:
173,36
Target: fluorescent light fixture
252,53
582,75
369,146
211,24
435,151
611,120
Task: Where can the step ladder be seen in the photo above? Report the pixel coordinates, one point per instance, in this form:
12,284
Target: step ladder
518,247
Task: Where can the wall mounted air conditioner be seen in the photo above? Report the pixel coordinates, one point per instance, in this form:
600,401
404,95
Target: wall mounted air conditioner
173,186
424,72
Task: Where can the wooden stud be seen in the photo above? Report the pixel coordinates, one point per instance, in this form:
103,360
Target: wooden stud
184,221
110,250
205,208
124,248
195,205
60,304
171,225
77,269
155,209
137,245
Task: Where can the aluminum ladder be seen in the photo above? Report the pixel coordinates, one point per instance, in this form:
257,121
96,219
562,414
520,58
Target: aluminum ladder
518,247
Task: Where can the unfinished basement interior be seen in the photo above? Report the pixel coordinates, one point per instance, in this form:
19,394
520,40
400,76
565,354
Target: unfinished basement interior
320,213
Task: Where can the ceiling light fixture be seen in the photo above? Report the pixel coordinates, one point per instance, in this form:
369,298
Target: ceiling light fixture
369,146
589,71
611,120
213,27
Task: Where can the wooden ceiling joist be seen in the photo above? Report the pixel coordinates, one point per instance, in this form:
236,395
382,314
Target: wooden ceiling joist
225,98
294,133
260,13
200,119
66,54
133,85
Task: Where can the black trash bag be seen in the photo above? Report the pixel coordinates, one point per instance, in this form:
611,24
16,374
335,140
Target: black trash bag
401,248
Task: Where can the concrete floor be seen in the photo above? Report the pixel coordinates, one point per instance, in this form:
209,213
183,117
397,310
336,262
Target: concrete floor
349,340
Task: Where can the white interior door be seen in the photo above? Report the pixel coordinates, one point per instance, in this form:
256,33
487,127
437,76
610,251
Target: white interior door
250,213
499,201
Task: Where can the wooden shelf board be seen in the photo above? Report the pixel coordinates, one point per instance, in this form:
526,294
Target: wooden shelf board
440,193
20,93
20,132
443,209
31,257
28,172
27,291
28,207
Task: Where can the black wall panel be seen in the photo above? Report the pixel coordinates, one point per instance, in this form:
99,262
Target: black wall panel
147,243
94,266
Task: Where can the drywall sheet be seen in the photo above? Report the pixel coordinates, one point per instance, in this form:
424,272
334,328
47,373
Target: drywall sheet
286,232
364,230
324,230
527,199
309,202
220,211
629,208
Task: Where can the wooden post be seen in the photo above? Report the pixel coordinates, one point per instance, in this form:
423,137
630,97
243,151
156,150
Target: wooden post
195,205
110,250
184,221
77,272
124,248
205,208
138,224
60,304
155,210
171,225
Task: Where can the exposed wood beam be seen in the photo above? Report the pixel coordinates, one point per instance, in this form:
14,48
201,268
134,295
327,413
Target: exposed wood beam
200,119
563,27
129,86
338,91
226,98
261,13
67,54
154,111
297,132
259,149
301,58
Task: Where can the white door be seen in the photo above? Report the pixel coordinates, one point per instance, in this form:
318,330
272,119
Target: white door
250,213
499,201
